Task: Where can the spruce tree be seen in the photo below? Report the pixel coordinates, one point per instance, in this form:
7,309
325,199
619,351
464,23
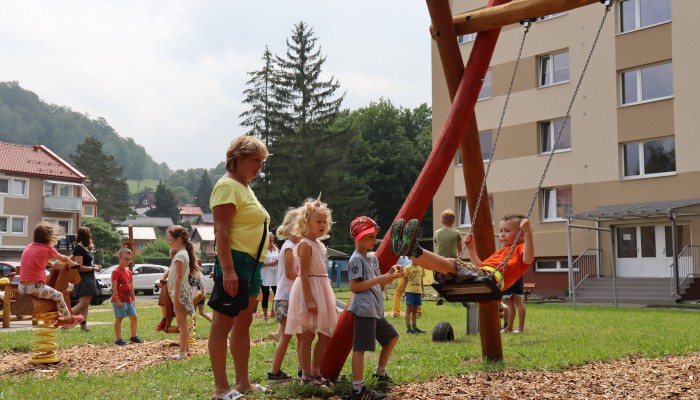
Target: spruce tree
203,193
166,204
104,179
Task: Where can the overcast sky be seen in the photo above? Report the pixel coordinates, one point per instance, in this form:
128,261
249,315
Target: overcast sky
170,74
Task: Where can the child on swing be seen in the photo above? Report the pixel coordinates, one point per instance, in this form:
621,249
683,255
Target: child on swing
404,241
32,275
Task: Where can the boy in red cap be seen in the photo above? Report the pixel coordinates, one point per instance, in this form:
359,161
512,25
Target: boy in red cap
367,307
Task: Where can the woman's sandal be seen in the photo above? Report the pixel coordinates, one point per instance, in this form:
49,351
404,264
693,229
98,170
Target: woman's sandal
256,388
231,395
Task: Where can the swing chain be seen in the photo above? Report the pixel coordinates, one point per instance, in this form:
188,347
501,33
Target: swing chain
526,26
504,263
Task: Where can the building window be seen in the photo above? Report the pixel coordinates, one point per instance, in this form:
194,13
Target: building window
145,202
13,187
651,157
89,211
66,224
463,215
550,16
4,186
554,68
486,140
469,37
548,134
637,14
13,225
485,92
551,266
557,203
645,84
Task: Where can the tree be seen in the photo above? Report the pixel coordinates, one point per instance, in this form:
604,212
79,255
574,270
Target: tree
203,193
107,241
103,179
166,205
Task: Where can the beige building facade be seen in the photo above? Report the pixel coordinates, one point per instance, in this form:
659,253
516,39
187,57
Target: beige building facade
631,140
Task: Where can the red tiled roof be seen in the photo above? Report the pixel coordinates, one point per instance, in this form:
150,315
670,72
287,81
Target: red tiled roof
35,160
190,210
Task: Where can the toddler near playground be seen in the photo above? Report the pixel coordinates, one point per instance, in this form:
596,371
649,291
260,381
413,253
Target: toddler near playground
404,241
414,292
32,274
124,298
367,307
311,299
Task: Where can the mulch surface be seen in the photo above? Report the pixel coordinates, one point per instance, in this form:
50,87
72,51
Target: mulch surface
672,377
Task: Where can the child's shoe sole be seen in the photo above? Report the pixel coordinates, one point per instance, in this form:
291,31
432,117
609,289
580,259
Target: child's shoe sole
397,236
411,232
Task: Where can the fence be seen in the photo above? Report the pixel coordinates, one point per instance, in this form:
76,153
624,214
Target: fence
688,263
586,266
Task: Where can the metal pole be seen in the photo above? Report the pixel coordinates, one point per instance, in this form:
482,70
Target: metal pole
674,241
572,290
612,267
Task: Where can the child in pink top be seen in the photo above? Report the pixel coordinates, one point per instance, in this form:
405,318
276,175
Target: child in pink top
311,301
32,274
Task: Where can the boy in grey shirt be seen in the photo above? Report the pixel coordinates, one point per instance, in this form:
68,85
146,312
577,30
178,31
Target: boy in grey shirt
367,307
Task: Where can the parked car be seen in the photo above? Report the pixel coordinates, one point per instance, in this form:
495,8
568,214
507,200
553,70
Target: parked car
8,269
144,275
207,271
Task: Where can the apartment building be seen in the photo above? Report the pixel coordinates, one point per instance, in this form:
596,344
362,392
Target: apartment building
37,185
627,160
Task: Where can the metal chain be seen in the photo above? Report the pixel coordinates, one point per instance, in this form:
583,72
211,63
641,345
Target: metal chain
526,25
504,264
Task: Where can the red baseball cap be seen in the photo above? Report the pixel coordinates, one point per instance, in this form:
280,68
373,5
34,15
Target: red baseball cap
361,226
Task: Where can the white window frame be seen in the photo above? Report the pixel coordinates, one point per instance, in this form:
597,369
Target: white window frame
545,193
640,155
461,202
552,132
550,69
11,187
91,209
57,221
486,86
637,17
562,266
469,37
640,84
550,16
10,224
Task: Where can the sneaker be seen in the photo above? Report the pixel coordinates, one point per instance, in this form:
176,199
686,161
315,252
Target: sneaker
397,236
440,300
410,330
367,394
73,321
161,325
383,378
515,331
279,377
416,330
120,342
299,374
135,339
181,355
411,233
273,336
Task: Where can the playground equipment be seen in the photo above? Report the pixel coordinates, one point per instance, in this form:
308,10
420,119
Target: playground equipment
44,314
461,130
165,302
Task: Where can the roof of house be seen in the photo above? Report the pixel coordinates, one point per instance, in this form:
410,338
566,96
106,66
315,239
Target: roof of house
161,222
205,232
36,160
641,210
190,210
140,232
207,218
88,197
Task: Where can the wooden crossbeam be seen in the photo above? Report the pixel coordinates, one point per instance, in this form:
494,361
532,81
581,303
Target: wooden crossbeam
510,13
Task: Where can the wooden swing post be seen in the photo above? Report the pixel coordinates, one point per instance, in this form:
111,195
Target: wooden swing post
518,10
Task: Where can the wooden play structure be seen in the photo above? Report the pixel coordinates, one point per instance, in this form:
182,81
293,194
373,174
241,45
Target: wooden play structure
461,132
45,318
165,302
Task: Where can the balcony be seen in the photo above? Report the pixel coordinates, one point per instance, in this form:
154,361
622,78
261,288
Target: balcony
63,204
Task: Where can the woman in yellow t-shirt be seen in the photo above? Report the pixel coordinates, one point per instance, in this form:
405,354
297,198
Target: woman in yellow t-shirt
239,221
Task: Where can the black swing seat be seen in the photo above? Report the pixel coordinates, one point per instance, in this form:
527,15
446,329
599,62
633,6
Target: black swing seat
481,288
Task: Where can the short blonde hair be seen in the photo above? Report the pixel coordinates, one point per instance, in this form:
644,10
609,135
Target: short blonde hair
301,227
244,146
284,231
448,217
123,251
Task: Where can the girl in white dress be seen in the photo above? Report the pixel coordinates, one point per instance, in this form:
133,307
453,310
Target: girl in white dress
311,301
269,274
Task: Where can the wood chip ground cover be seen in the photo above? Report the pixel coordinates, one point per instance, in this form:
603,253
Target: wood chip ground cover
672,377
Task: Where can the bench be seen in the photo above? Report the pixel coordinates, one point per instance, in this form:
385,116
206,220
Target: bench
527,289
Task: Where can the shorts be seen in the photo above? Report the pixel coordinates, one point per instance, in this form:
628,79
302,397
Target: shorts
243,264
369,330
126,310
516,289
414,299
281,308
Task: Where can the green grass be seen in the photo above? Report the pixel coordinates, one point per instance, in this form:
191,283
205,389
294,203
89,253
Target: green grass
136,186
556,338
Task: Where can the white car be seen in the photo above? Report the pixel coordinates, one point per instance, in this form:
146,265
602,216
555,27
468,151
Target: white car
143,275
207,271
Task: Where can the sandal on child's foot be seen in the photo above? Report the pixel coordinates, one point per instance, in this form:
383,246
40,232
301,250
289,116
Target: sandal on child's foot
313,382
181,355
323,380
397,236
